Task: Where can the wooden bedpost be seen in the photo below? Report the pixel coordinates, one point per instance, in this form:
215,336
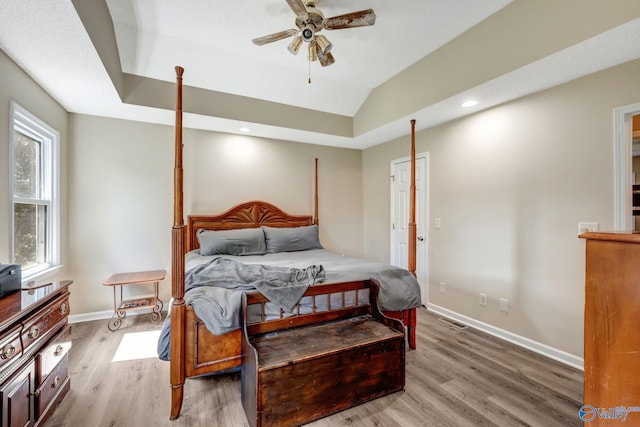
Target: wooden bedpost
177,334
411,319
412,204
409,316
315,196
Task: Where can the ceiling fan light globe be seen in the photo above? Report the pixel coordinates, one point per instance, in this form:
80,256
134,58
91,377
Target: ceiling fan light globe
324,44
325,59
307,33
294,46
329,60
313,56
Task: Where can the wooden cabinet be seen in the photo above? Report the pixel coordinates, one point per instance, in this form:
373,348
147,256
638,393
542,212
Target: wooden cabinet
612,316
34,341
16,398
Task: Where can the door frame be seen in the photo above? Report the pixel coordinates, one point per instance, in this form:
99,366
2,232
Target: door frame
424,184
622,166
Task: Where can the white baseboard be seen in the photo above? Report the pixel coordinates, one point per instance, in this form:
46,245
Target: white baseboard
101,315
529,344
88,317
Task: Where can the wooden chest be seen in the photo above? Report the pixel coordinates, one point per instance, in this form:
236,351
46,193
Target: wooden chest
308,366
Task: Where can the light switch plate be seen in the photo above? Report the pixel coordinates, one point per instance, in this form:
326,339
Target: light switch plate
584,227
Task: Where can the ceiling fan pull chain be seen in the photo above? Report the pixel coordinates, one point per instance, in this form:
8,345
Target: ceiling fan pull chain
309,71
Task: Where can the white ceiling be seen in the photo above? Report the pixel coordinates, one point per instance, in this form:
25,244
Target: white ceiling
211,39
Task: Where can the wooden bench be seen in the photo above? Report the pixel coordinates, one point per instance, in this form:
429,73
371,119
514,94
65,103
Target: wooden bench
336,351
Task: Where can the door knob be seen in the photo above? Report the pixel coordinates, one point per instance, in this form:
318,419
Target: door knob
420,238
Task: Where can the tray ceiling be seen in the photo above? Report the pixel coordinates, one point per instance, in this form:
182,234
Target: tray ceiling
116,59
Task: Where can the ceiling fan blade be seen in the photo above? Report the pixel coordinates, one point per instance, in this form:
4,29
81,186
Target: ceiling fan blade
361,18
298,7
274,37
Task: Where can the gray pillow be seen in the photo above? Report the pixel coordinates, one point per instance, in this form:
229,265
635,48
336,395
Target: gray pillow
241,241
291,239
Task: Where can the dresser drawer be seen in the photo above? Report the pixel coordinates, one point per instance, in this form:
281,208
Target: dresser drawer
10,347
46,321
52,387
53,353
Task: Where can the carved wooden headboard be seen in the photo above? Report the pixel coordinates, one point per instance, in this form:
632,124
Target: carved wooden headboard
245,215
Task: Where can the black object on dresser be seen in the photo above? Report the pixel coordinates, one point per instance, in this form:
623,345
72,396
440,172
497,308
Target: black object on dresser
35,338
10,278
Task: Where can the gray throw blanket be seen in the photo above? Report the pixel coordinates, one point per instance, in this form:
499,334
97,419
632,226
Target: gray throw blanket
212,289
399,289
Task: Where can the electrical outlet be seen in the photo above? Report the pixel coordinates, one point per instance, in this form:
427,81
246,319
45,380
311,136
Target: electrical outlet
504,305
584,227
443,287
483,299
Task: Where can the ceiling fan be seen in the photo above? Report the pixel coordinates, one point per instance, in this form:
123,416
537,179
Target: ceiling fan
310,21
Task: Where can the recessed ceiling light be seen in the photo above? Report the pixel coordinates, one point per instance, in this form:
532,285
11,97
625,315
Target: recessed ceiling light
469,103
245,129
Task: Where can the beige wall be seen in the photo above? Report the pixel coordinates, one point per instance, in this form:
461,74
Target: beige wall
121,194
16,85
510,185
222,170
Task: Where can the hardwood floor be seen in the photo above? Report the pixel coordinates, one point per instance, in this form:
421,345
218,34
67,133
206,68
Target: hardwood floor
456,377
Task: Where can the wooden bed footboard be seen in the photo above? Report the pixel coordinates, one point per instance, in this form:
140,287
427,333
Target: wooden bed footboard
207,353
408,318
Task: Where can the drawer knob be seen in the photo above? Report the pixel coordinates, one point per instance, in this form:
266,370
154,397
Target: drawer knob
36,393
56,382
58,351
34,331
63,308
7,352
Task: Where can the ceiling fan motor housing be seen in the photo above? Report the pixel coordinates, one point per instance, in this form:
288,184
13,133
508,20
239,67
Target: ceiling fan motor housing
311,23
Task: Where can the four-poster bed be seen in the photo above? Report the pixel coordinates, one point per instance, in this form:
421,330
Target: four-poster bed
193,350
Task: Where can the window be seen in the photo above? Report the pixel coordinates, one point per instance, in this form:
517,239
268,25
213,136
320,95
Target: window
34,192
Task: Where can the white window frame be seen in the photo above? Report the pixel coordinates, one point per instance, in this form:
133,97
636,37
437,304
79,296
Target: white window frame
23,121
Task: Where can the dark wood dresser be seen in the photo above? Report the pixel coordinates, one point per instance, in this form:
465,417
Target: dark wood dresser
34,341
611,320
